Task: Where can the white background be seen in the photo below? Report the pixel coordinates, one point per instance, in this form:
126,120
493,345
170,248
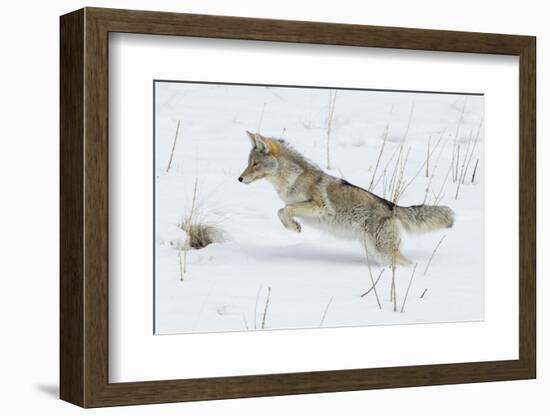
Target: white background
131,201
29,220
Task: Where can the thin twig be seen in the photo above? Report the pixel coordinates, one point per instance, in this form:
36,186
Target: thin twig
473,149
341,173
462,172
453,160
439,195
331,105
395,171
371,278
455,172
393,190
256,306
421,167
460,120
173,147
181,265
433,254
470,138
386,166
379,155
375,283
408,288
188,226
261,117
385,183
423,293
400,185
266,306
393,288
475,169
436,165
325,312
409,122
428,158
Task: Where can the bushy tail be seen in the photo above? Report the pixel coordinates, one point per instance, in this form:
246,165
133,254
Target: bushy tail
425,218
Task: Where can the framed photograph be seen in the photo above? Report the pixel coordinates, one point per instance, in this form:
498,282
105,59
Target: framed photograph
255,207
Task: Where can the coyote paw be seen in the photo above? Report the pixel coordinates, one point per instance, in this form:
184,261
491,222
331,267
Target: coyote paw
295,226
289,223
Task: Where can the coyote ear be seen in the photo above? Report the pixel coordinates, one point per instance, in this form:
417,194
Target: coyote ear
252,138
261,143
265,145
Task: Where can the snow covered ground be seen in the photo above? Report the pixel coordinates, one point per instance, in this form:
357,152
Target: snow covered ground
311,276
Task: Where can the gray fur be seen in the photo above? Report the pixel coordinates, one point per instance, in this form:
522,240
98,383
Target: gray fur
332,204
425,218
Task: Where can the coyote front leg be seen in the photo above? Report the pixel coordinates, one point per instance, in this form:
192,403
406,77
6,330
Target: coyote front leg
299,209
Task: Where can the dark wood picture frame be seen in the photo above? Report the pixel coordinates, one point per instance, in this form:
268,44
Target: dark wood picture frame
84,207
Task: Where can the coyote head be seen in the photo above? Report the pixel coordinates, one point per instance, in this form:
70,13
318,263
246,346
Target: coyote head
262,160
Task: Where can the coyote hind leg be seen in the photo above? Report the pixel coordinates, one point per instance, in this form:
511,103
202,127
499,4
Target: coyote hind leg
388,243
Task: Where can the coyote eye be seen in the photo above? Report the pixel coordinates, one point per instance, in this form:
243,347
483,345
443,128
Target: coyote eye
255,164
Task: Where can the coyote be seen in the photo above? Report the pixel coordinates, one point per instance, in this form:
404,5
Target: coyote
335,205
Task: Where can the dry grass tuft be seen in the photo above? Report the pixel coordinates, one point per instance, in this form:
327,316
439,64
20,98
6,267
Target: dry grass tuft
201,235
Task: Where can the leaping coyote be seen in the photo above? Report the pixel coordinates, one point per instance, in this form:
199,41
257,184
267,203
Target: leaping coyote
335,205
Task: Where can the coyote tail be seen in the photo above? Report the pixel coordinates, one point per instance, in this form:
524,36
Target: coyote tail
425,218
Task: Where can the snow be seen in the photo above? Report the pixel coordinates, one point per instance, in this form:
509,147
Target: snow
226,284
